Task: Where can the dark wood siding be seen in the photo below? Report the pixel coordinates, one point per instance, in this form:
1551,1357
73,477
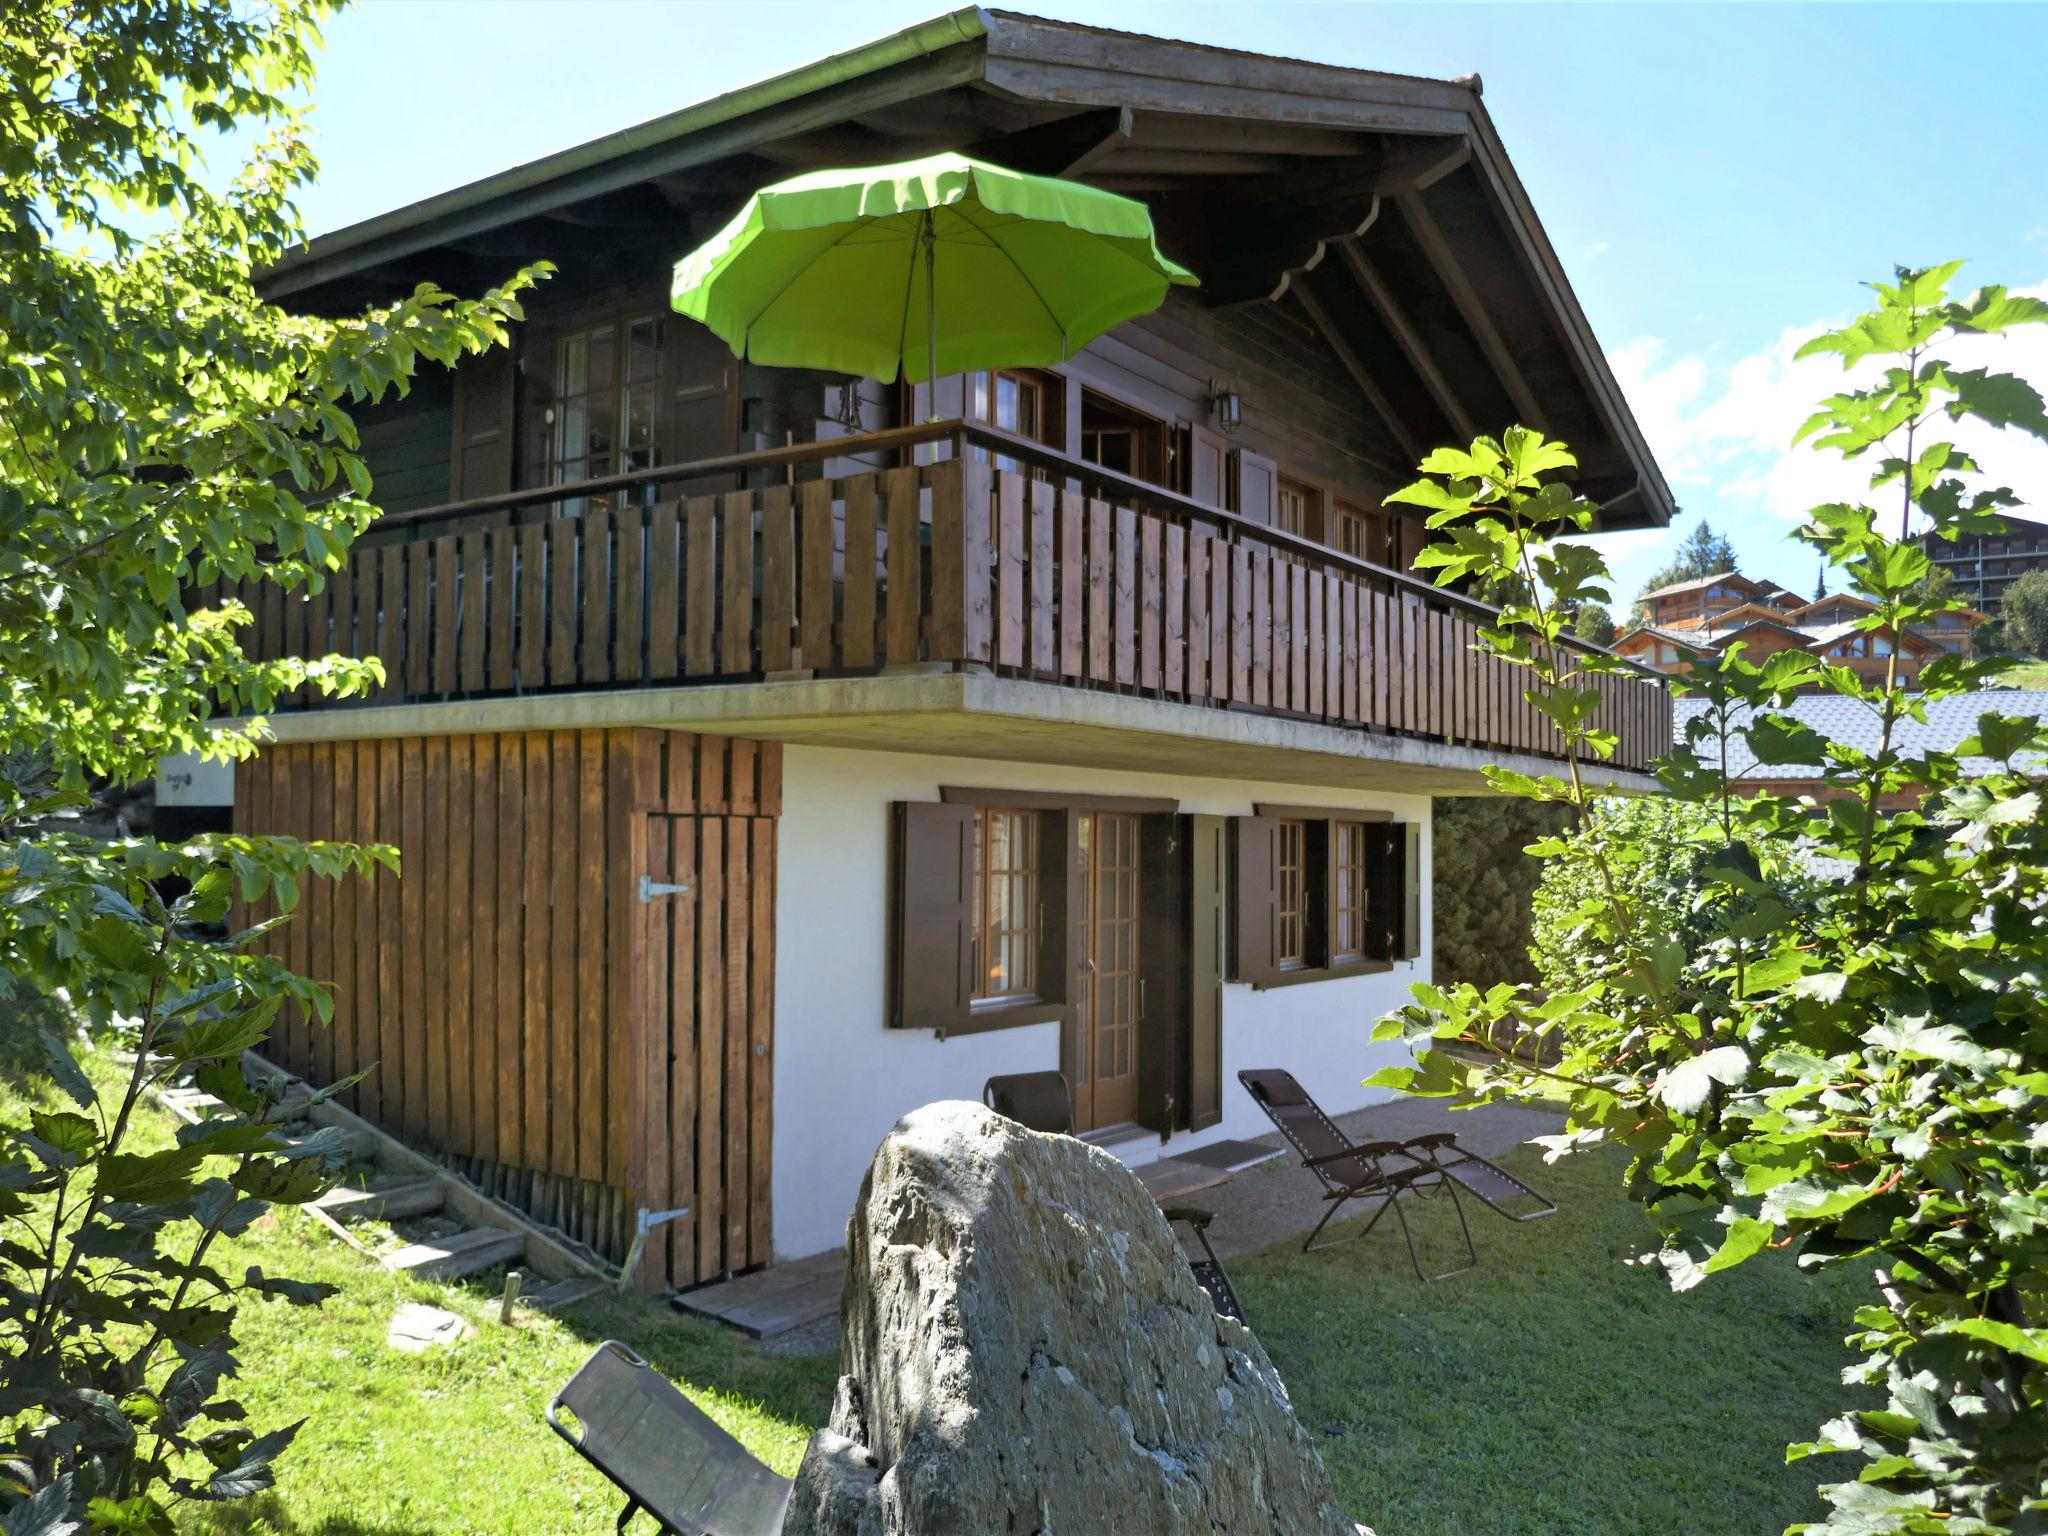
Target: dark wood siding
931,977
406,442
572,1048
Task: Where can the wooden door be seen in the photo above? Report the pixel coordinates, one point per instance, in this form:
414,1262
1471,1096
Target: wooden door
1108,989
708,1062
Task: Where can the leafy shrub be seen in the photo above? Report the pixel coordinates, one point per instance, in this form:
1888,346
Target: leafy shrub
1483,882
1854,1068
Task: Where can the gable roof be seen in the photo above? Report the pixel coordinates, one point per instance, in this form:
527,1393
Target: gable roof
1719,578
1377,213
1856,724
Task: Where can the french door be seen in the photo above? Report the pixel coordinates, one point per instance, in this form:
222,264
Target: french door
1109,990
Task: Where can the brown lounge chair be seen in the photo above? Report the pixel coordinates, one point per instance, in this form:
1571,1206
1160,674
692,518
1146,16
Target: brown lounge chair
1041,1101
1361,1170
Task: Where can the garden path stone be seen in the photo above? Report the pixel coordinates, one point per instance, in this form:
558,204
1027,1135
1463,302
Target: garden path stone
1024,1348
415,1328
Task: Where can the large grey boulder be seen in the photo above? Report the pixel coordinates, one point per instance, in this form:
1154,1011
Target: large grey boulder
1024,1351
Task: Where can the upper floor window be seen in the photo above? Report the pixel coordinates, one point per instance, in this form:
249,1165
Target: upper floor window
606,392
1358,533
1012,401
1119,438
1291,507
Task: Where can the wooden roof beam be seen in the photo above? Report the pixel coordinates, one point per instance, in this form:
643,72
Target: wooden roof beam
1066,146
1368,386
1395,318
1444,262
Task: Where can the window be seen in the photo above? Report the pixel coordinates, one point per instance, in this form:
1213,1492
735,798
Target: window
1121,439
1290,949
1291,514
604,398
1004,911
1013,401
1347,891
1321,894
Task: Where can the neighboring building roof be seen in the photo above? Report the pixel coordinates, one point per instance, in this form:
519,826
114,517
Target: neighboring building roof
1856,724
1720,578
1690,639
1828,634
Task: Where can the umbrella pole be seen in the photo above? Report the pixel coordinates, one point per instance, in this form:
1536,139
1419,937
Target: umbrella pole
931,316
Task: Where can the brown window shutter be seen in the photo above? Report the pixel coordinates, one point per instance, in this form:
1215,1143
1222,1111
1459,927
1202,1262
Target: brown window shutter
1208,900
1255,876
930,926
1254,486
1393,904
480,459
1208,464
1411,889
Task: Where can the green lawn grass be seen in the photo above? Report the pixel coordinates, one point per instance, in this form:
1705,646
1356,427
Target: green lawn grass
1556,1389
2030,674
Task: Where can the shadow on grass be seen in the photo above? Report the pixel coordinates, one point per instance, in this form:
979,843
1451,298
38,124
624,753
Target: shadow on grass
268,1515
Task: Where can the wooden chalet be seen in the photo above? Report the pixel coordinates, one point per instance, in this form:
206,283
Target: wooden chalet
768,760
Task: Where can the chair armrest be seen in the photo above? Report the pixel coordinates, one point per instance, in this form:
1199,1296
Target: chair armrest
1193,1215
555,1423
1433,1140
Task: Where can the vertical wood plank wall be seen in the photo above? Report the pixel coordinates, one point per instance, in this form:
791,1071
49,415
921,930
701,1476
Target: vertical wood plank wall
578,1052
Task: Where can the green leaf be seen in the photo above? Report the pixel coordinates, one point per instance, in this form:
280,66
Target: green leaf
1685,1087
2029,1343
47,1512
149,1178
1811,1200
65,1071
66,1131
1746,1238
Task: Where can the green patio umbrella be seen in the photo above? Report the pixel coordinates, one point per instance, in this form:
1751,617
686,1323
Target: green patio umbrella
931,267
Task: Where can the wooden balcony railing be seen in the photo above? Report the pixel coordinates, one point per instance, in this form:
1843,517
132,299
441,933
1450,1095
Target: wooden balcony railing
1002,554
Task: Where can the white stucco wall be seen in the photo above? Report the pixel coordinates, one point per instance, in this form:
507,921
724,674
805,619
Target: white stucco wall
842,1078
186,779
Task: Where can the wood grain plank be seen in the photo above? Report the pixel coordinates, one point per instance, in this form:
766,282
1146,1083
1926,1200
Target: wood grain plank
738,1038
411,1054
501,608
736,568
1041,579
314,908
428,1025
1200,549
761,1065
1124,614
364,1047
700,586
652,1185
562,605
906,565
683,1046
778,577
389,1083
473,575
482,940
664,592
454,936
594,1107
769,767
514,833
418,618
1101,592
625,844
741,755
391,620
948,626
341,1030
444,585
531,591
1175,665
564,854
977,509
816,535
1243,620
1297,636
1010,615
536,1033
629,601
1318,651
595,621
1073,533
857,627
710,977
1151,603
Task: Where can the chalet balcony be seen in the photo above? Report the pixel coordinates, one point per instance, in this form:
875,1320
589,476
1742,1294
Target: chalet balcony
996,556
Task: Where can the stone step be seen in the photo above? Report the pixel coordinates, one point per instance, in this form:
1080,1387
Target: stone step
464,1253
405,1197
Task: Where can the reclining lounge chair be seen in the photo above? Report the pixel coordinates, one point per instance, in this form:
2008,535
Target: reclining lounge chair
663,1452
1041,1101
1421,1165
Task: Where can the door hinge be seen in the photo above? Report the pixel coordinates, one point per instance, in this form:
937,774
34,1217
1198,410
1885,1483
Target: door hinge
651,888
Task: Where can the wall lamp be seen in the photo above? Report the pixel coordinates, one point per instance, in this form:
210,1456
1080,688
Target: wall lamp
1225,408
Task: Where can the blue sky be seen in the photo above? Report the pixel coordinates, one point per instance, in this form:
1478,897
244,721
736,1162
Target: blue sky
1710,174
